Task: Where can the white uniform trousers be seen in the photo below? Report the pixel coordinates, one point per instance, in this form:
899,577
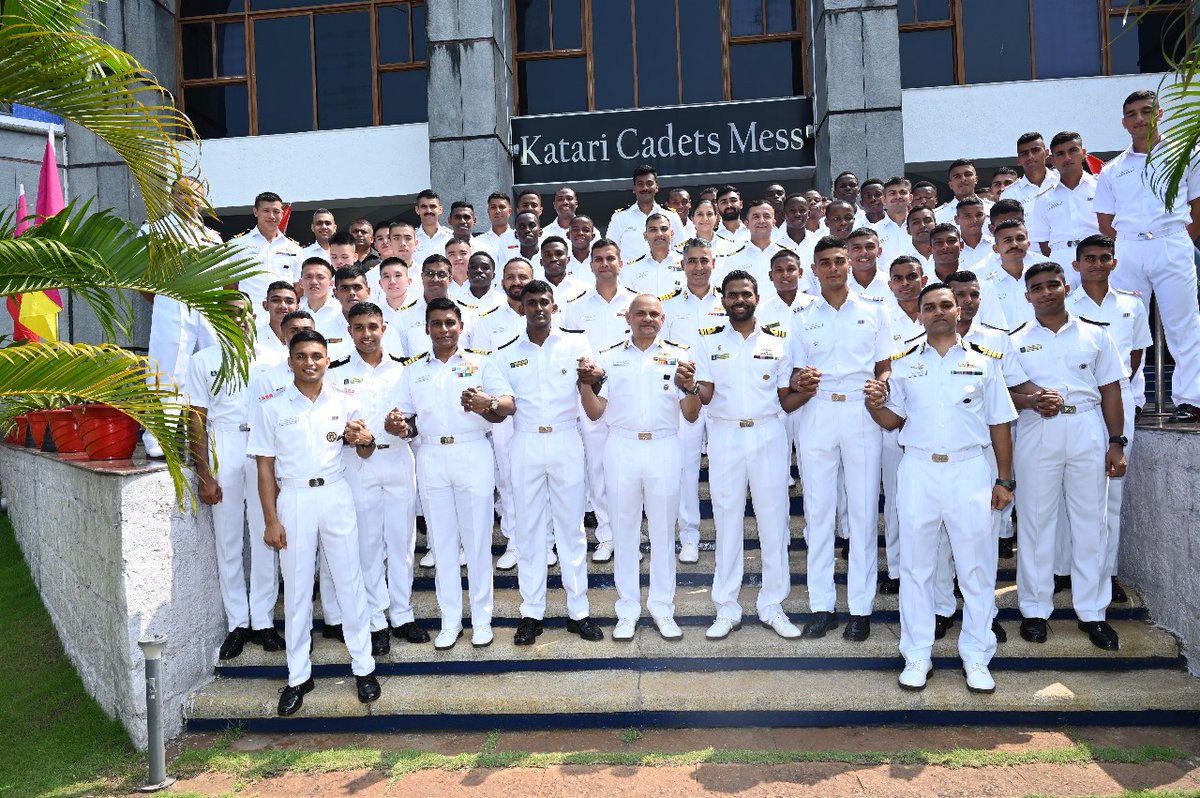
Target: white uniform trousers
690,442
890,455
643,473
548,486
957,495
841,434
385,488
1166,266
739,457
594,434
457,487
326,513
501,443
331,610
238,477
1057,457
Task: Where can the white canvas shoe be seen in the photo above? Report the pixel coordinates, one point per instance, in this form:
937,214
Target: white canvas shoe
689,552
427,560
481,635
979,679
624,629
668,628
603,552
915,674
782,626
721,628
508,560
447,638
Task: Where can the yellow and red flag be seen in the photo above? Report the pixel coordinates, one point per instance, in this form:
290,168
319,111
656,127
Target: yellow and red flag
35,315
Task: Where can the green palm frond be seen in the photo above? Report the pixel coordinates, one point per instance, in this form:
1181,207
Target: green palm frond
1181,117
90,254
49,61
34,376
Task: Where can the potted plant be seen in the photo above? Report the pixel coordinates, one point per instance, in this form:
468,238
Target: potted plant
105,432
63,428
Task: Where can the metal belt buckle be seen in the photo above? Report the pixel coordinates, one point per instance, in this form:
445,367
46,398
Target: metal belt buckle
645,436
446,439
746,422
383,446
837,397
1072,243
316,483
243,427
1146,236
1067,410
940,458
545,429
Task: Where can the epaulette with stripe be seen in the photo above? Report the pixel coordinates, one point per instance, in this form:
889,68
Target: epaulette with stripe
510,343
474,351
630,290
339,362
1093,321
467,305
916,337
568,329
614,346
395,358
489,310
408,361
239,235
294,241
771,329
711,330
992,327
676,344
577,296
738,250
905,353
1017,330
771,326
1128,292
674,293
406,307
635,260
983,350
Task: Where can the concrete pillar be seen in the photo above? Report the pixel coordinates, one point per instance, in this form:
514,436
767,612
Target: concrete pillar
470,100
856,88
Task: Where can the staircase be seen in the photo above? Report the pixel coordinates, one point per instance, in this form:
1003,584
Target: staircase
752,678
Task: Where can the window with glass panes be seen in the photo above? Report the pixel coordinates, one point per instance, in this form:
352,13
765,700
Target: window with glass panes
249,67
581,55
946,42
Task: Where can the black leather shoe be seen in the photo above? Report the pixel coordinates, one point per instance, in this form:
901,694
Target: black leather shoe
889,586
1006,548
844,548
527,631
269,639
941,625
1119,596
381,643
590,521
1062,583
957,589
821,623
333,631
421,527
411,632
585,628
998,631
292,698
368,688
1185,414
235,641
1034,629
1101,634
858,628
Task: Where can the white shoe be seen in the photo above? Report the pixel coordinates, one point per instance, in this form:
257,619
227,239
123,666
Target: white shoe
624,629
782,626
153,449
721,628
427,560
462,557
915,674
979,680
603,552
551,558
447,638
668,628
481,635
689,552
508,560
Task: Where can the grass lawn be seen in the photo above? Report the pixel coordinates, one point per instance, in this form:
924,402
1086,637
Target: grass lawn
56,741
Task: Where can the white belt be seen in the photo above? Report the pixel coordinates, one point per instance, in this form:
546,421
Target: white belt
1162,232
742,423
315,482
229,426
1064,244
648,435
843,396
546,429
1078,407
944,457
460,437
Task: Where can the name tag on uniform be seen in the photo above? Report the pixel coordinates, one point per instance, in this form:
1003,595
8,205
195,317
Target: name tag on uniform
287,422
967,372
764,356
720,356
516,364
352,380
334,340
1031,348
664,360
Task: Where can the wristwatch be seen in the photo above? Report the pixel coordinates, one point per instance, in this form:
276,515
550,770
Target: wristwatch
1119,440
1011,484
694,391
494,405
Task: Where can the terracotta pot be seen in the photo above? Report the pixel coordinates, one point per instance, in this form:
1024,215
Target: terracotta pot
65,430
17,436
106,433
37,426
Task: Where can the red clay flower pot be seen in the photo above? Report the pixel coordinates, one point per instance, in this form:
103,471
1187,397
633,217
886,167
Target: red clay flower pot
17,436
37,426
106,433
65,430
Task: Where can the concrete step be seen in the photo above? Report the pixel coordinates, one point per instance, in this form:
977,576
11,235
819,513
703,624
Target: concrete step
753,647
621,697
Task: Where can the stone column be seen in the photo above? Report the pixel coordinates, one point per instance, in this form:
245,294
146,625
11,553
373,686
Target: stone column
470,100
856,89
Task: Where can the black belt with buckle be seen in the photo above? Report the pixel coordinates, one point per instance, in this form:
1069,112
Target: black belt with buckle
316,482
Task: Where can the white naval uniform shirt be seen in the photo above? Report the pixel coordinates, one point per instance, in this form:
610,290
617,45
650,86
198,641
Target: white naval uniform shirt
268,340
904,329
1075,361
1025,192
774,313
877,290
746,373
375,389
501,247
304,437
430,244
946,213
1009,292
336,329
314,250
845,344
604,323
998,340
628,228
646,275
581,270
432,391
687,313
497,327
1060,214
410,329
734,239
753,260
230,405
393,338
494,298
721,248
1123,312
1126,189
640,389
894,240
280,258
949,402
977,253
556,229
544,378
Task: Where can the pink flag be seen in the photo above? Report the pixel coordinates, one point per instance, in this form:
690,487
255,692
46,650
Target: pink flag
20,331
22,213
50,195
